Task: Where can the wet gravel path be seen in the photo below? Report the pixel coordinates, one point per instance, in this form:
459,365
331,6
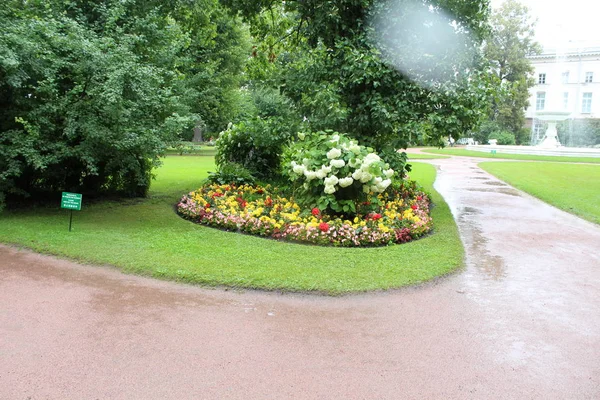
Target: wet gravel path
521,321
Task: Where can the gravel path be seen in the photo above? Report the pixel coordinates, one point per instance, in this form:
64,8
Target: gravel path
521,321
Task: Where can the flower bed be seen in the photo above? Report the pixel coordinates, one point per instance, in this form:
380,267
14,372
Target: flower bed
396,216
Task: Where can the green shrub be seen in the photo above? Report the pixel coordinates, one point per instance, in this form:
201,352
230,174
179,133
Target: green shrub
270,103
503,137
482,134
332,171
80,110
182,148
231,173
255,144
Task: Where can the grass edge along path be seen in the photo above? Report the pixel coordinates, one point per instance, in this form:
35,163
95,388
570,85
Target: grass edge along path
422,156
574,188
525,157
147,237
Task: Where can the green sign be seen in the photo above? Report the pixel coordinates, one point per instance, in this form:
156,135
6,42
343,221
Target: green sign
493,151
71,201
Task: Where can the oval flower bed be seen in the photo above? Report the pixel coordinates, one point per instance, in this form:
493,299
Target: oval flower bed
399,217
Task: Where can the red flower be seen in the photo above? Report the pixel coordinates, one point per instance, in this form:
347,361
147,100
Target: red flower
376,217
324,226
207,205
260,191
241,202
268,202
419,198
414,206
315,211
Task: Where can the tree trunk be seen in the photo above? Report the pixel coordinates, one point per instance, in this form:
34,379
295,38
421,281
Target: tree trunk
198,132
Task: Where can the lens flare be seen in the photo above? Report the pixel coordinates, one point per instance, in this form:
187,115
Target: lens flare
422,41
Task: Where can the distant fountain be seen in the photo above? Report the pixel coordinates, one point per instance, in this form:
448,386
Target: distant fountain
554,113
555,110
550,139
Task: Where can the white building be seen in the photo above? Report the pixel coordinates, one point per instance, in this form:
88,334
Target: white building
565,81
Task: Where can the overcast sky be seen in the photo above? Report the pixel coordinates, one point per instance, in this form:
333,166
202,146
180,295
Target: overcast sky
561,22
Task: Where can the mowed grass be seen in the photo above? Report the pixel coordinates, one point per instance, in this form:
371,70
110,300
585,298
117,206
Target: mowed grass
146,236
418,156
525,157
574,188
202,151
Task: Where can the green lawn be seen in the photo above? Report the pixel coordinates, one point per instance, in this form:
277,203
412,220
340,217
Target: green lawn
470,153
200,151
574,188
145,236
416,156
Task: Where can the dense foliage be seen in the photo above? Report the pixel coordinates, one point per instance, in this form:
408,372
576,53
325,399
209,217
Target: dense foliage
579,132
255,144
507,48
334,173
503,138
340,79
92,93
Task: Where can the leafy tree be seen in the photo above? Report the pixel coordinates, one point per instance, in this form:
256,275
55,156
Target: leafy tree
339,79
91,93
510,42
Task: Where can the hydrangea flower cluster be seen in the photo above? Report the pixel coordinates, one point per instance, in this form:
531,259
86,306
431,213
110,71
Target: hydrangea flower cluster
335,171
400,217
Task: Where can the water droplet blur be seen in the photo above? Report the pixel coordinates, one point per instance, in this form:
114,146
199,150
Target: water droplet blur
424,42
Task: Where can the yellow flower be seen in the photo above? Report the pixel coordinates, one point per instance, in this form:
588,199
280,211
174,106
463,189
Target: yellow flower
383,228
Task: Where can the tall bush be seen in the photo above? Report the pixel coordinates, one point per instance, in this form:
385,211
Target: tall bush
255,144
91,93
332,171
503,137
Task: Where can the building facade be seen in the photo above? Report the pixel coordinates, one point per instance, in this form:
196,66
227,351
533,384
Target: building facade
567,81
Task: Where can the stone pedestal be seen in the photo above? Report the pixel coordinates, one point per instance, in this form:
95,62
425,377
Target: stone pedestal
550,139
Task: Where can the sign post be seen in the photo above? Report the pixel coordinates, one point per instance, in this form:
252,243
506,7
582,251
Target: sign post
71,201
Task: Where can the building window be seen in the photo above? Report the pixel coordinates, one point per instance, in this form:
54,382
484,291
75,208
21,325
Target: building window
586,103
541,79
589,77
566,100
540,100
565,77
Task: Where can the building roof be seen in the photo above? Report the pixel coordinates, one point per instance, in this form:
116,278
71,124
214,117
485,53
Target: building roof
570,50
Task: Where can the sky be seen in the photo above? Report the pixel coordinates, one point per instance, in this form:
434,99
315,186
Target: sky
572,23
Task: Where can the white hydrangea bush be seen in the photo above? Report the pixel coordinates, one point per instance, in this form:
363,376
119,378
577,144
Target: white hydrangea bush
331,170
